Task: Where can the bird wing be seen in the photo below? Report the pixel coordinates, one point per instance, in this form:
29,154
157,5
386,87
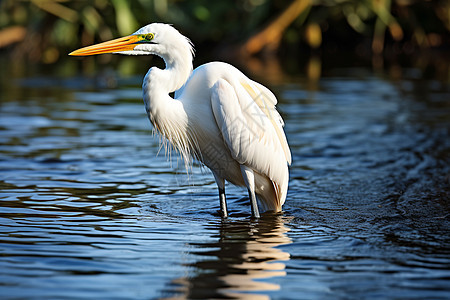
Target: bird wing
266,101
251,127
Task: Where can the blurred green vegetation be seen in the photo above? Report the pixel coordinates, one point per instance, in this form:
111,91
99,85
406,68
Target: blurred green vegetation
45,30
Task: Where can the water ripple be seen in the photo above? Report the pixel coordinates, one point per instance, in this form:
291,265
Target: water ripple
87,209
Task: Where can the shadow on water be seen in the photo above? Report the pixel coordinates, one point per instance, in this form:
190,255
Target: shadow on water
239,262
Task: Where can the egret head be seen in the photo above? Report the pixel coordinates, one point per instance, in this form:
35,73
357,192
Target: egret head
156,38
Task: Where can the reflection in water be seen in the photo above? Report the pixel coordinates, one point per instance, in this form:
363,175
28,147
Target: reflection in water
241,254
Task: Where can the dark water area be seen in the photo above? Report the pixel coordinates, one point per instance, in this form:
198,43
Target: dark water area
90,207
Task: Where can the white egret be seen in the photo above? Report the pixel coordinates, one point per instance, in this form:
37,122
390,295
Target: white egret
217,116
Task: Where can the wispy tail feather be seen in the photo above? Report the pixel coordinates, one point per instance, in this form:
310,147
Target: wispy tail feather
271,195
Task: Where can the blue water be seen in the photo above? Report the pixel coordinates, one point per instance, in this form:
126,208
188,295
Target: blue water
90,207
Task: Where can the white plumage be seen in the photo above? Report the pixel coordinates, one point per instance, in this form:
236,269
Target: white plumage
218,115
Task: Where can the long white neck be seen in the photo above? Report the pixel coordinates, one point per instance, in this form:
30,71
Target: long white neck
168,115
159,83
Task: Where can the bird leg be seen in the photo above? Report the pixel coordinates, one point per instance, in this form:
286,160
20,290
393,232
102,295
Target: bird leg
223,202
249,179
222,199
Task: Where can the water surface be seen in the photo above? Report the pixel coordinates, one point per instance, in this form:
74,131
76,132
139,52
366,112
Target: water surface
89,210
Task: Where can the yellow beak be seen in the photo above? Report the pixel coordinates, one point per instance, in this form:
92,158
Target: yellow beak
116,45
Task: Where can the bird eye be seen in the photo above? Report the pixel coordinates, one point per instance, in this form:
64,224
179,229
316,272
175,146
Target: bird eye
148,36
